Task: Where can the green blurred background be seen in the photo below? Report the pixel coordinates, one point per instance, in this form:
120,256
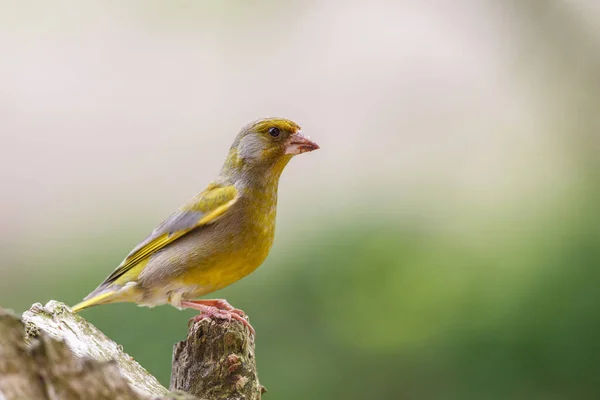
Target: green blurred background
444,243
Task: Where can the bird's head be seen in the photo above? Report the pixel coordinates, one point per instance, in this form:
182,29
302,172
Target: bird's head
264,147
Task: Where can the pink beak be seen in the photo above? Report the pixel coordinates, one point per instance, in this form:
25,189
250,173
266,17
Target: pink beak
299,143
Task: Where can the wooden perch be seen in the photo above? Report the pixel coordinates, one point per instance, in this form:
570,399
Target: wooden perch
216,361
54,354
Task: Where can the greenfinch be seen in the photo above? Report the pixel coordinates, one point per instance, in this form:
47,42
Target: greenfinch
218,237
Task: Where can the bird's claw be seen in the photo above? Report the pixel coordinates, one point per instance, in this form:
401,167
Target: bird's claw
221,310
224,305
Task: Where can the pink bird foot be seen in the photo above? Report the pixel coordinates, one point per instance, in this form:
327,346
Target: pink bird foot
218,308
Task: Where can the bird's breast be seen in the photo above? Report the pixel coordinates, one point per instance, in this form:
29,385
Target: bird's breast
235,245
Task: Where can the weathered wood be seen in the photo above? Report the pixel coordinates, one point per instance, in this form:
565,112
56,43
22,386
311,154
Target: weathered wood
216,362
53,353
57,321
45,368
18,375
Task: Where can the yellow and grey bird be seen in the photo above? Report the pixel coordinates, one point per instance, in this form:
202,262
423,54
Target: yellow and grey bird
218,237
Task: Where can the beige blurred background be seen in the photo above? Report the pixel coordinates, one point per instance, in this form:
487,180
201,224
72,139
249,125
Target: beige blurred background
462,133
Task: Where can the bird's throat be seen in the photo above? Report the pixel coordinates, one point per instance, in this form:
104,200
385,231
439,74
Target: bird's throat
257,176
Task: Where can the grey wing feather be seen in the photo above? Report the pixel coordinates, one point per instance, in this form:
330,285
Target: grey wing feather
179,221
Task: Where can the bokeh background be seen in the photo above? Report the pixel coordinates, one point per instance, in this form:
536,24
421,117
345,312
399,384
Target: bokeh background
444,243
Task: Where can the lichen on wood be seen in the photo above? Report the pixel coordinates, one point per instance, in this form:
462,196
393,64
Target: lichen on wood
45,368
85,340
216,361
52,353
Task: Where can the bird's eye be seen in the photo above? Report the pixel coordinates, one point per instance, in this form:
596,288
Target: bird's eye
274,131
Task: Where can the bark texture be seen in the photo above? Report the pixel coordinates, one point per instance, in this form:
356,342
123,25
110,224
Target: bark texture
52,353
216,362
55,320
45,368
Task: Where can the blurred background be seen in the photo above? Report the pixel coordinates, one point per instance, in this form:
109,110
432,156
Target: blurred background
444,243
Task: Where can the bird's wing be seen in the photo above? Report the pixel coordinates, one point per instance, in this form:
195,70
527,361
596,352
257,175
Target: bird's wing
202,210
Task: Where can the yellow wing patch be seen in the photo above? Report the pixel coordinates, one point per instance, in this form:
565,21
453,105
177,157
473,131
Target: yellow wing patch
204,209
211,198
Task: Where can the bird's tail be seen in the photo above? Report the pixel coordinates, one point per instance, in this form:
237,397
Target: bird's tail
101,298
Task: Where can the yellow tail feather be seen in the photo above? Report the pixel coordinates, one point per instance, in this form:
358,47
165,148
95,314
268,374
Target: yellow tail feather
94,301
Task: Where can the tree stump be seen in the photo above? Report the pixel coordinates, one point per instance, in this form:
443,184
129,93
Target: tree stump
216,361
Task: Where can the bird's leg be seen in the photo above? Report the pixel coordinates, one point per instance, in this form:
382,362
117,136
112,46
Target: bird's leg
217,309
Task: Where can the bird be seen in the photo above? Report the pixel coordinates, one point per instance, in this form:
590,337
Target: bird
218,237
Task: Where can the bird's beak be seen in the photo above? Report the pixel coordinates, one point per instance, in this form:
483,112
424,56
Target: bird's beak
299,143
